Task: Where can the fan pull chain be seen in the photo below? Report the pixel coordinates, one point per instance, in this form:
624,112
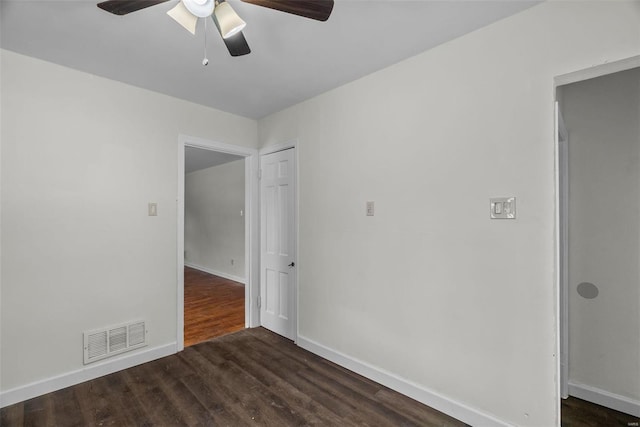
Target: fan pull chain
205,61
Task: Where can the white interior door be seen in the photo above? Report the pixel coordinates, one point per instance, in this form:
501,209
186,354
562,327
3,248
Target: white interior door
278,252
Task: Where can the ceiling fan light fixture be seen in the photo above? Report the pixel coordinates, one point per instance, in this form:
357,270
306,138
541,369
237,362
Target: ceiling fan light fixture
229,23
183,17
200,8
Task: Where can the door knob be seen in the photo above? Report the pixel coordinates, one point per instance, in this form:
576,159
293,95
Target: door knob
293,264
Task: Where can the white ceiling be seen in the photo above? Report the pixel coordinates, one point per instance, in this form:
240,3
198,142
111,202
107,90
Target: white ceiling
198,158
292,58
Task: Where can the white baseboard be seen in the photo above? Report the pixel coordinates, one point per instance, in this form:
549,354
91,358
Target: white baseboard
89,372
605,398
216,273
430,398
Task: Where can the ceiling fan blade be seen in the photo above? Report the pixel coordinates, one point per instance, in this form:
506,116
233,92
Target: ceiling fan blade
236,44
313,9
122,7
183,17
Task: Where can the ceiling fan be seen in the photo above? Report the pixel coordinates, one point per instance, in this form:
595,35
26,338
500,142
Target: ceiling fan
228,23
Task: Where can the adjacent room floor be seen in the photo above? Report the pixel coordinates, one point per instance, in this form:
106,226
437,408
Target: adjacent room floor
580,413
213,306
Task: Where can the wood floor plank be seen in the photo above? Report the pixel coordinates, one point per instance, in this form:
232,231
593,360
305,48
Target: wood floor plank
107,405
361,406
35,412
270,369
580,413
281,393
251,377
290,373
84,399
121,395
191,387
156,406
212,401
420,415
12,415
210,369
339,382
255,399
192,412
213,306
65,404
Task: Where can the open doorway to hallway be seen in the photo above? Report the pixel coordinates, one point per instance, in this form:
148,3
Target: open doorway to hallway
214,244
598,147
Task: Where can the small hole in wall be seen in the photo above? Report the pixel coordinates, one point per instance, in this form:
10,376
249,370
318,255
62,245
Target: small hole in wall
587,290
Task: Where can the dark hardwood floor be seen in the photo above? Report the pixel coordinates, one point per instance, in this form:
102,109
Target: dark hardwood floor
213,306
580,413
251,377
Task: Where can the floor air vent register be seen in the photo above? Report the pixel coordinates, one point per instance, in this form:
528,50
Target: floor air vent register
102,343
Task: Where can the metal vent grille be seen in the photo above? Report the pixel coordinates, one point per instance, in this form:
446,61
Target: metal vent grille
136,334
117,339
97,345
108,342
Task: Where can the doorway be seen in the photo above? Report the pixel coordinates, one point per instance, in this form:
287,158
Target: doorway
237,262
214,253
598,217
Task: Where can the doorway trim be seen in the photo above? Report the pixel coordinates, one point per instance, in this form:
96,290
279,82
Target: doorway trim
561,244
251,228
293,143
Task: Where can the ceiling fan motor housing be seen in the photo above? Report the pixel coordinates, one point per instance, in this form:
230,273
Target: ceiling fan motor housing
200,8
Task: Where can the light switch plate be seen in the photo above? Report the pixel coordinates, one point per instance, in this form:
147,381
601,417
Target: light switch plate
503,208
153,209
371,208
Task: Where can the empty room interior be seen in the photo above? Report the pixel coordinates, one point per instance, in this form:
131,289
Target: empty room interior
349,212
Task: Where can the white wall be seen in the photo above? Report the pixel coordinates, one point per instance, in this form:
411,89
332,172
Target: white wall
81,158
603,119
430,289
213,226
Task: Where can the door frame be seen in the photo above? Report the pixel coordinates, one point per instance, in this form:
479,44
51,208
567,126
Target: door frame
270,150
562,168
561,243
251,228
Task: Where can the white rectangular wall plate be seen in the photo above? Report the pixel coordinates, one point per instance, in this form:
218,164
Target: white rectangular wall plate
153,209
371,208
502,208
